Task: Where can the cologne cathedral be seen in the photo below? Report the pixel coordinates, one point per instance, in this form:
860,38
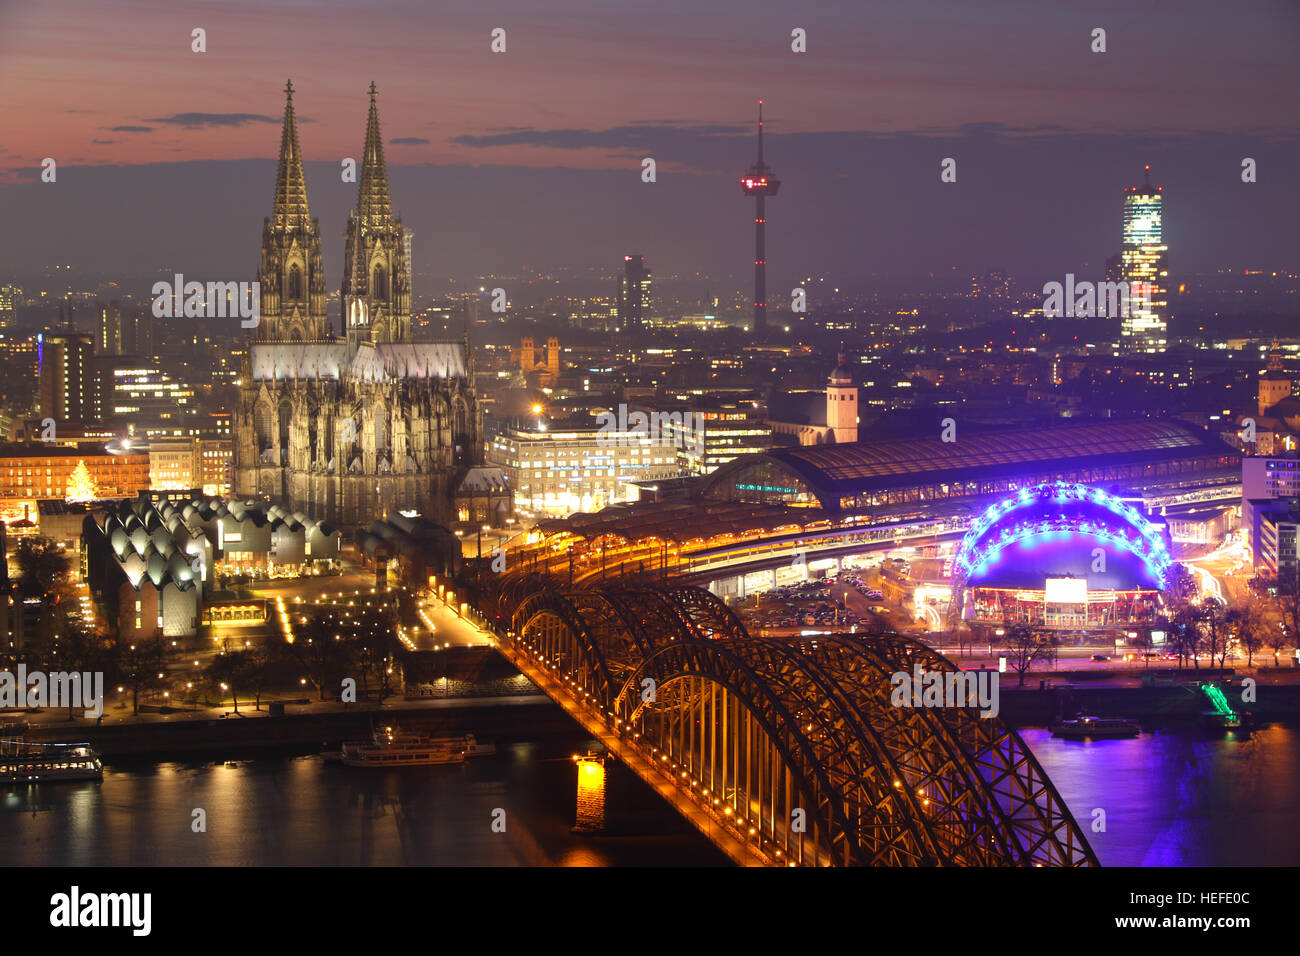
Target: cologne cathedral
348,428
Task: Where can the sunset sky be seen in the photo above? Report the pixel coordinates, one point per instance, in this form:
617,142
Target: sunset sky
165,156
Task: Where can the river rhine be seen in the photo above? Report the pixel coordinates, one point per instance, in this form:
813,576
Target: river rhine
1170,799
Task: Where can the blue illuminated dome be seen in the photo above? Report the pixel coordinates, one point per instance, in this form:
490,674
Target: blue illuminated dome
1054,531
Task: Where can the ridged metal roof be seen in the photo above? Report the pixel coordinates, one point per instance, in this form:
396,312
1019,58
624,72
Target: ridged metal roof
833,470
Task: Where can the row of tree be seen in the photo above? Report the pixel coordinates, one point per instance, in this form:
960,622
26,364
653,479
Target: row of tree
334,644
139,668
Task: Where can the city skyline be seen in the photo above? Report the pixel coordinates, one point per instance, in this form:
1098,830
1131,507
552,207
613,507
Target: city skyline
407,382
863,193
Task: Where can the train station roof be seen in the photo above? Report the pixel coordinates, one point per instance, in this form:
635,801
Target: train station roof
833,471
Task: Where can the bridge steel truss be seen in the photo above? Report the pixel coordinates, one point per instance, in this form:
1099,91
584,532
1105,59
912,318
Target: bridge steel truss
793,748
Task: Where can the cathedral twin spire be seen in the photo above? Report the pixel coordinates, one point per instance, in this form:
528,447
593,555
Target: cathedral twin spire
376,285
373,204
291,209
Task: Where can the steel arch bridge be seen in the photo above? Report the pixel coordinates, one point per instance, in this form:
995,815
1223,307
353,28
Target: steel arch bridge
788,753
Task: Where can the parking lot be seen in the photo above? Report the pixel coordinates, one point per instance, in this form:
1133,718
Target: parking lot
848,602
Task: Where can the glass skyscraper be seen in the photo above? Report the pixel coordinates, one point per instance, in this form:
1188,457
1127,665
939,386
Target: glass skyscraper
1144,265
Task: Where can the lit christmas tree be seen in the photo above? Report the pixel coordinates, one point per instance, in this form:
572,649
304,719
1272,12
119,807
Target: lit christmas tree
80,485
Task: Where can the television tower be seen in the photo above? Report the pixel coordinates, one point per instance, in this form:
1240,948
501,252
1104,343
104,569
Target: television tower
759,183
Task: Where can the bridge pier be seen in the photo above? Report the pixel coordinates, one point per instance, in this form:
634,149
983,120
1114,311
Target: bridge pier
590,816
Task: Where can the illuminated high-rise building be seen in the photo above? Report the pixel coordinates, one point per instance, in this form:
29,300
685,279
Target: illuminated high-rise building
9,296
759,182
1144,265
108,328
65,376
633,293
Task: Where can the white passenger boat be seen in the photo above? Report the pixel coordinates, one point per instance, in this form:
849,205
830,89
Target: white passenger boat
25,762
475,749
391,747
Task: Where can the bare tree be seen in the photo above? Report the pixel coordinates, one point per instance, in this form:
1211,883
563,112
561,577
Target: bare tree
321,649
964,637
1212,622
1024,645
258,658
142,667
1181,588
71,646
1276,638
230,670
1143,643
1248,624
1185,633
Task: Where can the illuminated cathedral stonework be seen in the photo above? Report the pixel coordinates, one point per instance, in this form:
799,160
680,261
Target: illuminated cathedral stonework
348,428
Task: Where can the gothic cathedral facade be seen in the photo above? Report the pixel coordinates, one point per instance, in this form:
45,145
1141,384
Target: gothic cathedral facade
348,428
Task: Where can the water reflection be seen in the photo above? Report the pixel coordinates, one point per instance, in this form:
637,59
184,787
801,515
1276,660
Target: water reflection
302,811
1180,799
1170,799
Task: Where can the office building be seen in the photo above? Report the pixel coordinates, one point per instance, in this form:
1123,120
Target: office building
1278,527
712,434
1270,487
43,470
560,467
108,328
65,381
633,293
216,458
1144,264
173,464
9,297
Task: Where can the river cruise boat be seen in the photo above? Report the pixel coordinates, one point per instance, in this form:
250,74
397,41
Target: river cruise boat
391,747
473,748
1096,728
25,762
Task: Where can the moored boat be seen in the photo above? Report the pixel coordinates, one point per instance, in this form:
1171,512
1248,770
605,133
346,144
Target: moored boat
391,747
1096,728
1217,721
26,762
